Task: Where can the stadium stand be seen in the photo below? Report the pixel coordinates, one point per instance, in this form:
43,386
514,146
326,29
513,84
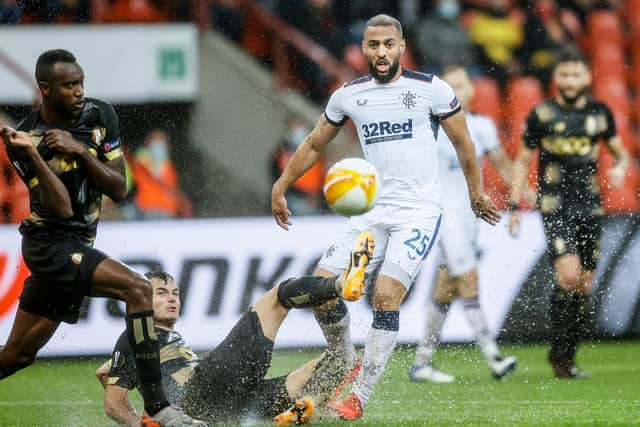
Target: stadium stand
608,33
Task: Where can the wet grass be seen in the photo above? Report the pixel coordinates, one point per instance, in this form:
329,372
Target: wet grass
65,392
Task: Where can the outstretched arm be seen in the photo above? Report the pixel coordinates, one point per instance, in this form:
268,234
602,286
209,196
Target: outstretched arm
456,128
308,152
518,184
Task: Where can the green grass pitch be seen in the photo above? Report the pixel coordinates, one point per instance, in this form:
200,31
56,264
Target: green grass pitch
65,392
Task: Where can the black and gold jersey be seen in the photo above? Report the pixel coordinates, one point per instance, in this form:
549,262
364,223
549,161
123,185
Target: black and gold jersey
177,362
568,141
97,128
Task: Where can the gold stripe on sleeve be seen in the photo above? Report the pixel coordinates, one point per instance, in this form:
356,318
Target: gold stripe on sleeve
113,154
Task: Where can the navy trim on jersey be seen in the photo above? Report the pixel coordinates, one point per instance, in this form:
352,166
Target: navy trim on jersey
416,75
450,113
333,122
433,238
362,79
435,125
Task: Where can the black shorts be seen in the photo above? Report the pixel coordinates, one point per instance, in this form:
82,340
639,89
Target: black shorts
61,274
225,383
574,234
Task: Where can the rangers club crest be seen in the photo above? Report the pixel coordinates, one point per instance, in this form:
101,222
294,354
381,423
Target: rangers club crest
409,100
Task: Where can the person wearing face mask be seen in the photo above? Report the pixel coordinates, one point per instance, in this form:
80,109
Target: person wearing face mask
156,180
441,40
497,33
306,193
544,35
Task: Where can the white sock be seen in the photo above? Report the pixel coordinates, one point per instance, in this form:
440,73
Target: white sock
478,323
338,336
436,315
378,347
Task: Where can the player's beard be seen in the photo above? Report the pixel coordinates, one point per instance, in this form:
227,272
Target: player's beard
384,78
571,100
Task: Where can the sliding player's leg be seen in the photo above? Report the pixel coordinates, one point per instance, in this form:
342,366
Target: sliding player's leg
214,392
333,316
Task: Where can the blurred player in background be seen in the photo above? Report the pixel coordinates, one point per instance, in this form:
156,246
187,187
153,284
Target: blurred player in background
567,129
397,114
68,153
458,276
228,384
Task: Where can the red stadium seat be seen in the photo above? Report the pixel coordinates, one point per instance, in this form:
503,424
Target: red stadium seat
494,185
255,37
408,60
355,59
615,93
632,14
608,63
604,27
135,11
617,200
523,93
487,99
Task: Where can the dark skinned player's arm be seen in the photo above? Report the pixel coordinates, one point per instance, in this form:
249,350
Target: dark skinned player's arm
50,191
108,176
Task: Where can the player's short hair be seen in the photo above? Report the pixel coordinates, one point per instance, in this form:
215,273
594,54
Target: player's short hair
383,20
452,68
570,55
159,274
46,61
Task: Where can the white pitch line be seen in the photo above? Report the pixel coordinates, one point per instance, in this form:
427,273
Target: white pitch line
48,403
526,402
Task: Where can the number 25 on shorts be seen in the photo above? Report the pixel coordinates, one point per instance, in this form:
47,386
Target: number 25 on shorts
417,244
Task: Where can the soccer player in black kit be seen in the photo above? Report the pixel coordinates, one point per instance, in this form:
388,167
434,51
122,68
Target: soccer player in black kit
68,152
567,130
229,384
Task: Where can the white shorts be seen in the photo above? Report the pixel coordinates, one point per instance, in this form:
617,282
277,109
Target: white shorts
404,238
459,240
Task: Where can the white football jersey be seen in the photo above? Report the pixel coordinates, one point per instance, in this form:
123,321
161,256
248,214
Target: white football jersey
397,125
485,139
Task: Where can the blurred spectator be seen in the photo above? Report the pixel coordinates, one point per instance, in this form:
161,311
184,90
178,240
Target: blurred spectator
9,12
544,35
14,196
227,18
55,11
441,40
497,35
305,195
317,19
140,11
69,11
156,183
582,8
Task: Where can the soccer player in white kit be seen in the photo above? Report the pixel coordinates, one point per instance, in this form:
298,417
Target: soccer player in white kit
458,276
397,114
